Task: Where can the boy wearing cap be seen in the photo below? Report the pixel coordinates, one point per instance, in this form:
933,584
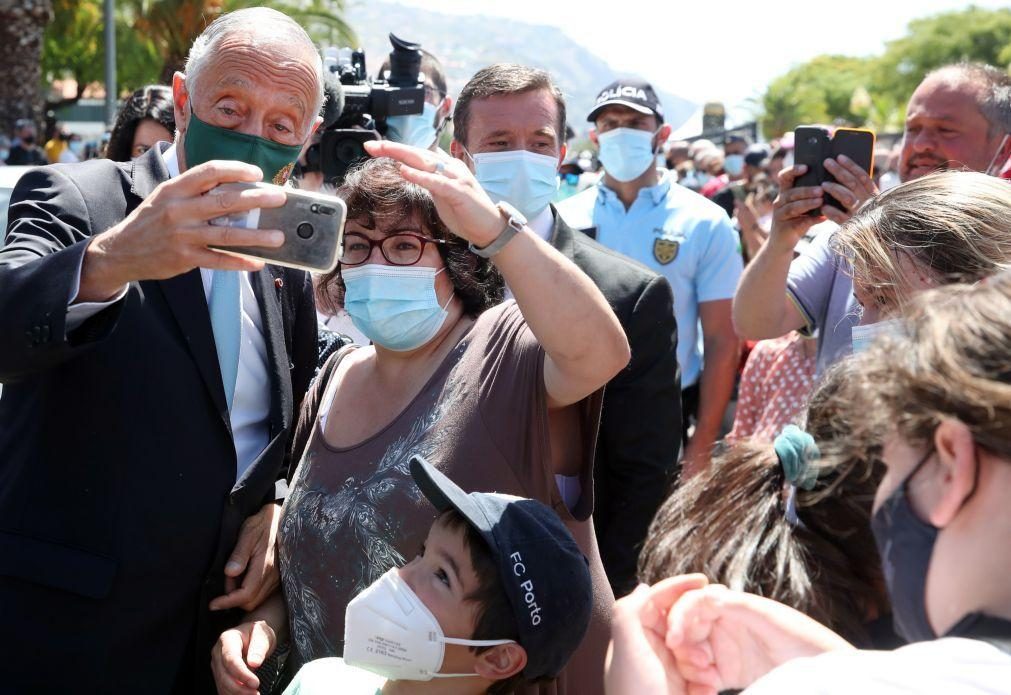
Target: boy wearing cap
499,595
638,210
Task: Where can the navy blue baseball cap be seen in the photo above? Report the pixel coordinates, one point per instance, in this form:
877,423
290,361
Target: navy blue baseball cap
632,92
545,575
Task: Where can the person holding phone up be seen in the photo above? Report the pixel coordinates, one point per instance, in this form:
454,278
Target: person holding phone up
957,118
150,382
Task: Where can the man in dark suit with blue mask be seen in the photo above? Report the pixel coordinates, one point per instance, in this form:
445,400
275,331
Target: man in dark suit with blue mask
151,382
509,128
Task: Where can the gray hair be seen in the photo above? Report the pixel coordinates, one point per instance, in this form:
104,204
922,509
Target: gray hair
993,87
264,26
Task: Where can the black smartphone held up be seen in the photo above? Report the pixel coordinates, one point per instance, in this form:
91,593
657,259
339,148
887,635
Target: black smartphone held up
814,144
811,148
313,226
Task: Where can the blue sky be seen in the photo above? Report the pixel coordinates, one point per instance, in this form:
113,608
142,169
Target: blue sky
705,50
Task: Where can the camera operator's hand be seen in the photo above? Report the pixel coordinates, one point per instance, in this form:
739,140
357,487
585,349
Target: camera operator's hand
790,218
462,204
853,189
168,234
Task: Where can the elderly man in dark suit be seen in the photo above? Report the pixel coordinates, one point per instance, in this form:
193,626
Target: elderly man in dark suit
510,128
151,381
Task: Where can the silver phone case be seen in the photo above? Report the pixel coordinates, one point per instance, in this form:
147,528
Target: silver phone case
313,226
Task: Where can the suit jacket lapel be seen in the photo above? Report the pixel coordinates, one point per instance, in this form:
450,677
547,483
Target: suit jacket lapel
185,296
561,235
268,295
184,293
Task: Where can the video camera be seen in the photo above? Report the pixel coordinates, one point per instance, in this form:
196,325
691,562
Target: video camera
368,103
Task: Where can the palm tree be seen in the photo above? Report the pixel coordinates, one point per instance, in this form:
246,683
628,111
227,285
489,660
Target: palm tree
172,25
22,25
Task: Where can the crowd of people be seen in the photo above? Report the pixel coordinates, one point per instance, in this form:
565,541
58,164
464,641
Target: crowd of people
145,118
646,419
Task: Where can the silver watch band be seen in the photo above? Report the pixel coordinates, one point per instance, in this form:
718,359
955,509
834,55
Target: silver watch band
494,247
514,221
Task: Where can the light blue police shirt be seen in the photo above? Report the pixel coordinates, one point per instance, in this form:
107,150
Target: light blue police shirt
675,232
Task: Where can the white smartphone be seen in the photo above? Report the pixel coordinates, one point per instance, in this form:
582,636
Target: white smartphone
313,226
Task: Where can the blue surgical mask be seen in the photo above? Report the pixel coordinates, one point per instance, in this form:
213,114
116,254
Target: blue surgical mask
394,306
864,336
417,130
525,180
626,153
733,164
4,154
77,147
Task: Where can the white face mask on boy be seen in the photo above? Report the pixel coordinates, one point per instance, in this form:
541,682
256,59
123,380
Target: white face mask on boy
390,632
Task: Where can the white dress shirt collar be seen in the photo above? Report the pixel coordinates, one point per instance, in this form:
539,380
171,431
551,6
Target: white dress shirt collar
543,224
171,161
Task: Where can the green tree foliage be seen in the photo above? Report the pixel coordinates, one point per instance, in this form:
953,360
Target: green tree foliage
873,91
973,34
73,47
154,36
819,91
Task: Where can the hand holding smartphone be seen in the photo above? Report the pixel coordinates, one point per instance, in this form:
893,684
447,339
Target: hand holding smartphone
814,144
313,226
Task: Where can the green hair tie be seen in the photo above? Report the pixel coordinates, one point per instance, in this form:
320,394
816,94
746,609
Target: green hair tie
796,450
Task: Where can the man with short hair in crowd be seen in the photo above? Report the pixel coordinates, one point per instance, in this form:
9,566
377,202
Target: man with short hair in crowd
151,382
510,121
734,149
26,150
676,153
640,212
755,160
958,117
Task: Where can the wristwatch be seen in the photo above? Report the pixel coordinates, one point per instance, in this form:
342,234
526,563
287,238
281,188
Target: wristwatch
514,221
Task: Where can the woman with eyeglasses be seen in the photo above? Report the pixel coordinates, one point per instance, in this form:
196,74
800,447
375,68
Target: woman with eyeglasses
500,396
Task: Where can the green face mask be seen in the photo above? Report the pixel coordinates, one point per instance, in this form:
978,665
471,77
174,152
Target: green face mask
204,142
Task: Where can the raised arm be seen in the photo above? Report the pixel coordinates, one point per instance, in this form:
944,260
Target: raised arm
761,306
584,343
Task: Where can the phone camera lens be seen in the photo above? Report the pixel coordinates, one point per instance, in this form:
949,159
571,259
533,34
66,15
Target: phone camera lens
304,230
324,210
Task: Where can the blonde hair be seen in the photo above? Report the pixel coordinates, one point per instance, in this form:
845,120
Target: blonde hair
952,361
954,226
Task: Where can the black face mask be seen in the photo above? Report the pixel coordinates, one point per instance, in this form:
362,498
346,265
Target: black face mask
905,544
28,140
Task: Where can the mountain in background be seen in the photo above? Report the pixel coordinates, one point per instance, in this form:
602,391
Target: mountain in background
465,44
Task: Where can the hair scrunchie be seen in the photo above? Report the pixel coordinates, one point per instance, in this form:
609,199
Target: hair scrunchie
796,450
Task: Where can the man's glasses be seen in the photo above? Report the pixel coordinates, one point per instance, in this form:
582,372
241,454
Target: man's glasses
402,248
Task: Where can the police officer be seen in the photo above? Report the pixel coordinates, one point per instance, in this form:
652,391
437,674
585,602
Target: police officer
638,210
